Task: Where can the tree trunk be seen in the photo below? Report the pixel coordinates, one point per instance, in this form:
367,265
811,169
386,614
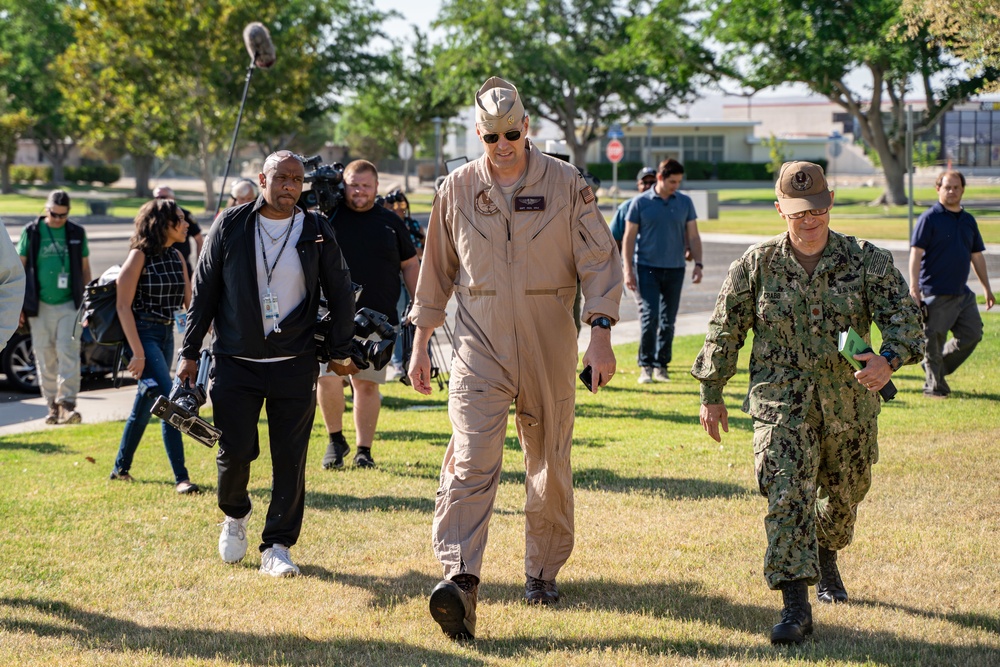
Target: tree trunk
5,185
580,155
894,168
143,168
205,163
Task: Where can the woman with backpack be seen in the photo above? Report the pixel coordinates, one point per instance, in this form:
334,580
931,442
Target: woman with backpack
152,287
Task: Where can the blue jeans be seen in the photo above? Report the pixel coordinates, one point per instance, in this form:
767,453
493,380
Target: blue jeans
158,348
659,297
404,301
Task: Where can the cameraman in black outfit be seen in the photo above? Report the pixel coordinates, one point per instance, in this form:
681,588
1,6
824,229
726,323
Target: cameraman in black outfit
259,280
377,248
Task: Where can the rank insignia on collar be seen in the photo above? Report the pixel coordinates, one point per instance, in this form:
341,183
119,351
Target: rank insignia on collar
588,194
485,205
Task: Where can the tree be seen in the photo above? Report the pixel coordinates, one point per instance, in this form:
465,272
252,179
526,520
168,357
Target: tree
777,152
971,28
771,42
400,104
13,126
32,35
164,77
581,64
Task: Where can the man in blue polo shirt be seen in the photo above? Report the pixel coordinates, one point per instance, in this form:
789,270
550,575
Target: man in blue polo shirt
643,181
946,241
659,224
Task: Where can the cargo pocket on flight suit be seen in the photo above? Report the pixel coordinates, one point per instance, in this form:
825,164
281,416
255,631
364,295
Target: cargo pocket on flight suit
546,440
467,401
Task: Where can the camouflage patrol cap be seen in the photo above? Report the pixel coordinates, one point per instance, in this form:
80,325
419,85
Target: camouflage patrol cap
498,107
802,186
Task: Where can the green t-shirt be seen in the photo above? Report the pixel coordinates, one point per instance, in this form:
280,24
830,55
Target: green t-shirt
53,260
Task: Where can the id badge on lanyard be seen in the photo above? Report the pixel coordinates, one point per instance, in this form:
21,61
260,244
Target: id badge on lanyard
271,311
63,281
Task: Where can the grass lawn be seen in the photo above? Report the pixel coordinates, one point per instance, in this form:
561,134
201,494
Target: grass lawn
666,570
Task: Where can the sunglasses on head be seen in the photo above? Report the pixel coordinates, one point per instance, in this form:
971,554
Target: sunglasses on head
511,135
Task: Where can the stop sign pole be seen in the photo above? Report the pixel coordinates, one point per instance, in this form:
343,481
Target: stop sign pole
615,152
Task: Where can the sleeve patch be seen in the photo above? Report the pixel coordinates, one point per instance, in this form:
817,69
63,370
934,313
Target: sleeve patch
738,277
588,194
880,262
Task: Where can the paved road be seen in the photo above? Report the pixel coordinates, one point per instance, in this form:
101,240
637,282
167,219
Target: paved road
109,245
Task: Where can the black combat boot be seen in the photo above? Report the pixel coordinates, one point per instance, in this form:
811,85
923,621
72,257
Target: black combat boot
453,605
540,591
796,618
830,588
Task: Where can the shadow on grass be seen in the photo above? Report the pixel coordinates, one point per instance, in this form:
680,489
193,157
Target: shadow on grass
982,622
106,633
11,443
346,503
684,601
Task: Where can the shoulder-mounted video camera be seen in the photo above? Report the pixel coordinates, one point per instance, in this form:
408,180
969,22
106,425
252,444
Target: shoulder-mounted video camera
326,181
373,337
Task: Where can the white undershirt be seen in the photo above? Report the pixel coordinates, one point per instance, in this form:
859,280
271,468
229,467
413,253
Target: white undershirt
287,280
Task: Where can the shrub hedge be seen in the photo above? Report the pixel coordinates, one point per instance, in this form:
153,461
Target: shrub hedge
694,170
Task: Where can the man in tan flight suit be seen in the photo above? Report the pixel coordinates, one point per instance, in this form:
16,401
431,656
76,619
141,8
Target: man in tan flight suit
509,234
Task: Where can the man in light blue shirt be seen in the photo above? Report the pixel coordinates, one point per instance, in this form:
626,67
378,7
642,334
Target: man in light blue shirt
659,224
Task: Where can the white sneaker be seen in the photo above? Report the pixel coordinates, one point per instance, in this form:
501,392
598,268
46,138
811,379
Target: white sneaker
394,373
233,539
645,375
661,375
277,562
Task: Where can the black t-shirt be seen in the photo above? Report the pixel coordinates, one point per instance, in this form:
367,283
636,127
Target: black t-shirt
374,244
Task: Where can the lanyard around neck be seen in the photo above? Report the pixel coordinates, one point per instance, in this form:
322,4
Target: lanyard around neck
59,251
288,233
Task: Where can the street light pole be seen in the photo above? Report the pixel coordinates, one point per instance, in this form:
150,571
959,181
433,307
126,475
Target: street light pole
437,145
649,144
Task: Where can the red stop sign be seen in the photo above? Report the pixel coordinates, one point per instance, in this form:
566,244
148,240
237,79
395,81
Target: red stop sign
615,151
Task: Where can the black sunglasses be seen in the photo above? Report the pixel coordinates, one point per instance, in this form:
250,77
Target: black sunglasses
512,135
58,216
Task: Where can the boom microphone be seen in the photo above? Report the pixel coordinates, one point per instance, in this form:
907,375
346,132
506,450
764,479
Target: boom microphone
257,39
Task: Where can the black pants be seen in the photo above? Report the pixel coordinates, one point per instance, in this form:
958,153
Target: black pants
239,391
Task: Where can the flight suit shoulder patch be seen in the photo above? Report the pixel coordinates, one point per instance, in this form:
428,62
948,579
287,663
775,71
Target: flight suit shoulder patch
588,194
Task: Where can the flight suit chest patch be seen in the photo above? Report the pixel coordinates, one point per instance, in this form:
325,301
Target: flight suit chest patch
485,205
529,204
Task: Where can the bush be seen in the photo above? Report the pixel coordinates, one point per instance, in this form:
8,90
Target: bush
29,175
627,171
106,174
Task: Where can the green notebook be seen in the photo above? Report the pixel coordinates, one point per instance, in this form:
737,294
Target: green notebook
850,343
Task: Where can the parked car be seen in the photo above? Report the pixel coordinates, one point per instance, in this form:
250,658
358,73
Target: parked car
17,361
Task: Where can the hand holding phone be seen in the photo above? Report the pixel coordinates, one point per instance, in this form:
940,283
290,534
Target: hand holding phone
587,377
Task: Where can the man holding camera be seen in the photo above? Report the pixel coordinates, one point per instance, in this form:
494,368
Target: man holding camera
377,248
510,234
259,281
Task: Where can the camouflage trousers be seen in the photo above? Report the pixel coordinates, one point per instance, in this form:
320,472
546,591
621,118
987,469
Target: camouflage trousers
813,481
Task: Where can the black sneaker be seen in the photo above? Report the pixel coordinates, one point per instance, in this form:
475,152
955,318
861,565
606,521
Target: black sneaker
363,459
335,452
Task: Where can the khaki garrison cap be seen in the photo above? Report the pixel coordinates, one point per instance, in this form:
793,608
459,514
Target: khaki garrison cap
498,107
